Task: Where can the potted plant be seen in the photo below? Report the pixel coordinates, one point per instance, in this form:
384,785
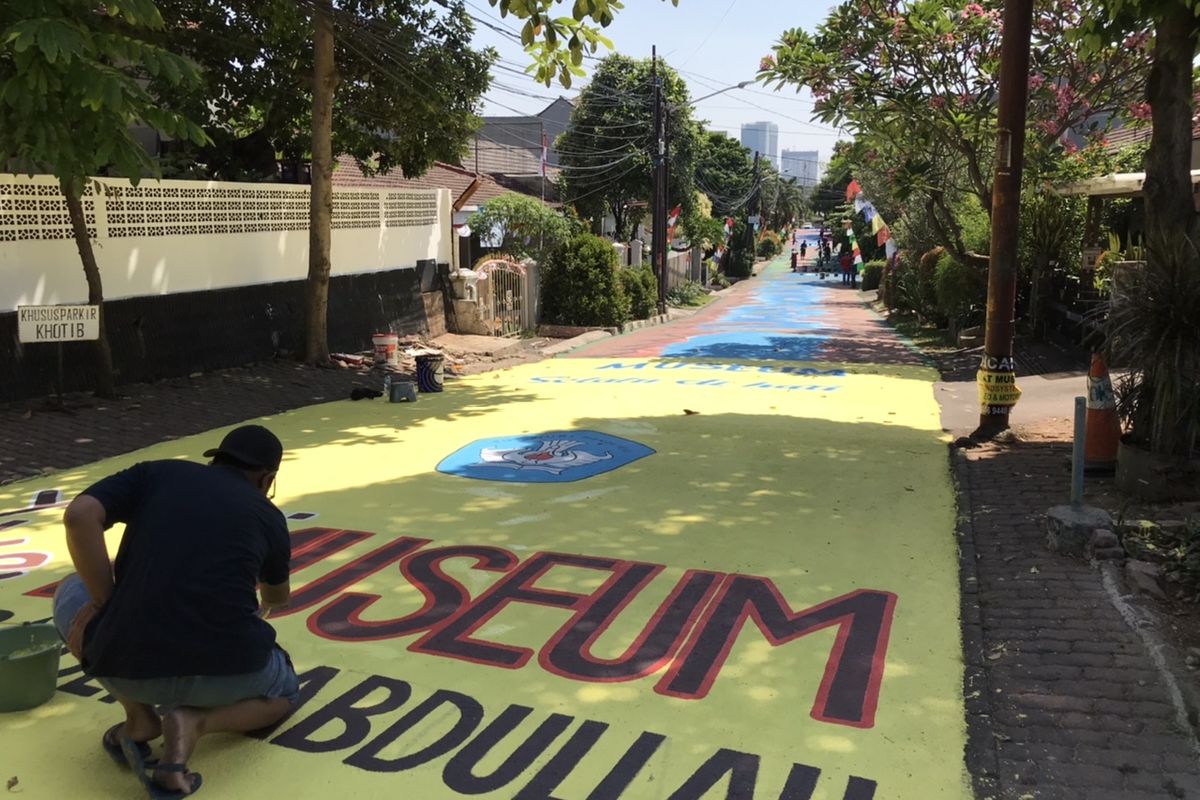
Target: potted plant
1154,334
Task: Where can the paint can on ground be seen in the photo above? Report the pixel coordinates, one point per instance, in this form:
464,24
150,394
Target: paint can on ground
402,392
387,348
430,372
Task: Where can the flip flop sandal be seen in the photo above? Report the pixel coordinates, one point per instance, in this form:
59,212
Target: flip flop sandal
145,773
111,741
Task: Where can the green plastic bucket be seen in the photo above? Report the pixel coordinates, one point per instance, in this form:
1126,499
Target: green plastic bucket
28,665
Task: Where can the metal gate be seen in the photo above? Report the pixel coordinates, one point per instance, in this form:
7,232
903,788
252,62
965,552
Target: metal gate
504,297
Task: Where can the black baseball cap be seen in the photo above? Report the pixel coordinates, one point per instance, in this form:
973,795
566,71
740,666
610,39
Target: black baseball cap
250,446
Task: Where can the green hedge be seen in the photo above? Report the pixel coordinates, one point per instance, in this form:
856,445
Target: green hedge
961,290
872,275
581,284
641,288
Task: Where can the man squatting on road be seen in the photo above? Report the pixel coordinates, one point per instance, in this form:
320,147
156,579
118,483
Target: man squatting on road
175,632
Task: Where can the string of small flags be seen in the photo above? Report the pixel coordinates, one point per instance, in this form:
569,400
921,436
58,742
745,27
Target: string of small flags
883,234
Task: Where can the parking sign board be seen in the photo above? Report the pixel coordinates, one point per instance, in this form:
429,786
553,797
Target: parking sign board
37,324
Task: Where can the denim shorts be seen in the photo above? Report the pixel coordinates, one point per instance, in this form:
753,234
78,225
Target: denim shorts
276,680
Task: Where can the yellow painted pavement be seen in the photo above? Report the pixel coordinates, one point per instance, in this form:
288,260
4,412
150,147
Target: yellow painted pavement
824,487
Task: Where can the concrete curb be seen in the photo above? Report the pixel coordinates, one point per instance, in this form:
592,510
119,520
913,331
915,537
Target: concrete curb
574,343
1145,622
638,324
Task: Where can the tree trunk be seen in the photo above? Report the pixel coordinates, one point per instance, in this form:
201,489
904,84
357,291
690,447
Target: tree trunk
105,383
320,218
1170,212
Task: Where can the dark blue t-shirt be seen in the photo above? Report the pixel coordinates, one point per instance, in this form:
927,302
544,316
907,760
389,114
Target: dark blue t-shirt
197,541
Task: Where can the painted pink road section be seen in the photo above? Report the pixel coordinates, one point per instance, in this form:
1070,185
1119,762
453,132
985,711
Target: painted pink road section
781,308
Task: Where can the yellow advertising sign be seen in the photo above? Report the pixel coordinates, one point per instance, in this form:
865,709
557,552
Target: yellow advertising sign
553,582
997,389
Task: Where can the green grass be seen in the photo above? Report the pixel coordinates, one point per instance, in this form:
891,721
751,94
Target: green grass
926,337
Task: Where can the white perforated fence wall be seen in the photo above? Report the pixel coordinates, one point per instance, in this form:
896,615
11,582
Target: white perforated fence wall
164,237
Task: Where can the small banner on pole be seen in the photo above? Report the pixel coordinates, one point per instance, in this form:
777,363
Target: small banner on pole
997,380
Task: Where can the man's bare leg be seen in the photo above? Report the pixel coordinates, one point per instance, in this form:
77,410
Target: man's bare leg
141,722
183,727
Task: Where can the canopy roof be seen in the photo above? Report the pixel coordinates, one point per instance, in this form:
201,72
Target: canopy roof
1121,184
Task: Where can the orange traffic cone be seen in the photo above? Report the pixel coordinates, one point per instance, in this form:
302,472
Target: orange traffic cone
1103,427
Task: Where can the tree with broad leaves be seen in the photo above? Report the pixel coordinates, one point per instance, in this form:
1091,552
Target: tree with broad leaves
1167,99
557,46
392,83
72,83
724,172
525,226
606,149
918,82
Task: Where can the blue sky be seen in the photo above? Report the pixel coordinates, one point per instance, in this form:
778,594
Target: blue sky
713,43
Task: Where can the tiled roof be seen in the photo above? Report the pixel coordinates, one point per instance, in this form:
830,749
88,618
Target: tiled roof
1130,134
439,176
1136,132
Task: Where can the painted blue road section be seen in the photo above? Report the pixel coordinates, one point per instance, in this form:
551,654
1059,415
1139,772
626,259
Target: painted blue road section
784,320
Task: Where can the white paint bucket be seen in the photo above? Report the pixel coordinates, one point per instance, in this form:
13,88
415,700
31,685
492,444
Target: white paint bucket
387,348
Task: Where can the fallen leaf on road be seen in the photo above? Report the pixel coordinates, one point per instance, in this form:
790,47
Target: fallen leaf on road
1034,570
689,412
28,414
12,783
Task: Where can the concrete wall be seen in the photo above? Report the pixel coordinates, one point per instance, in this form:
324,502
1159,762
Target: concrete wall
201,276
168,237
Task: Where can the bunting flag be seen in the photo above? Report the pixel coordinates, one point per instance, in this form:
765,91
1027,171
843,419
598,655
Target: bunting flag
882,236
868,211
672,219
853,190
877,224
728,228
854,244
859,203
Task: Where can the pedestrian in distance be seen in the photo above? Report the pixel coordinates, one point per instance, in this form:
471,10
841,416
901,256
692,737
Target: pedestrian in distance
174,629
795,263
804,249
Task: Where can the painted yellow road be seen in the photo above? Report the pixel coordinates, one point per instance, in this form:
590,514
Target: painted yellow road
599,595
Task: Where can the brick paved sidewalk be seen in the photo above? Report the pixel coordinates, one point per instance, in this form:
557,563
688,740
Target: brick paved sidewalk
1063,697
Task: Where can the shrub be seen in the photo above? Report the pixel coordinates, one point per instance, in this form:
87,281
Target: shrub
924,289
905,294
961,290
770,245
641,288
689,294
581,284
740,264
872,275
525,227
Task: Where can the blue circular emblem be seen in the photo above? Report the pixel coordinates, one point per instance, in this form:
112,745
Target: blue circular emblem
550,457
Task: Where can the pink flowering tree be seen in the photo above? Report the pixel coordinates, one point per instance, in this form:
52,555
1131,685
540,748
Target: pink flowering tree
1166,99
917,81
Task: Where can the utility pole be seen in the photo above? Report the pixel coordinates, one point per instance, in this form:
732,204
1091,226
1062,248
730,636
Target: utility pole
666,202
658,237
997,376
753,209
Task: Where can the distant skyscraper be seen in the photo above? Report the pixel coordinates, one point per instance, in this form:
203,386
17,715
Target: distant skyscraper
762,137
801,165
